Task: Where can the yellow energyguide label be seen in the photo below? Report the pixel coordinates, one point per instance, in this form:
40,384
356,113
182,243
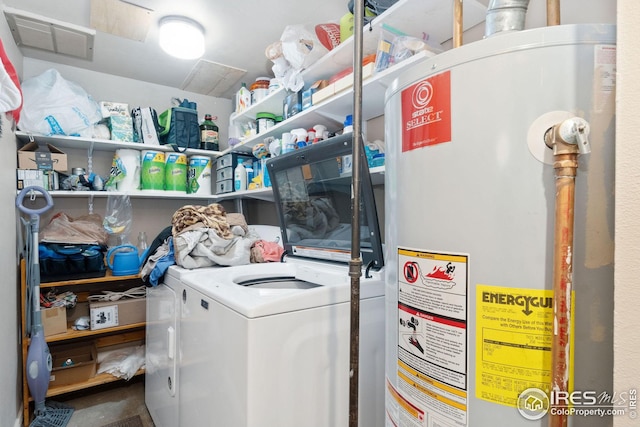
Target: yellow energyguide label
514,328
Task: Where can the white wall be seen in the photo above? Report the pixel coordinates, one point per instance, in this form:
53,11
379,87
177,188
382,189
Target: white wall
10,357
627,229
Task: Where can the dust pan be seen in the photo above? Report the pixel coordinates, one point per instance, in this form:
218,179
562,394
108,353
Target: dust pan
54,415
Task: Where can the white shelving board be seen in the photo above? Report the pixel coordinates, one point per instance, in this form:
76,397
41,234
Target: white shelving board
74,142
151,194
431,18
336,108
266,194
70,142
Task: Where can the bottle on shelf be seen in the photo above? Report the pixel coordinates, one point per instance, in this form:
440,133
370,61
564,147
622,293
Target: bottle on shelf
346,26
250,174
142,242
348,124
243,98
240,177
259,89
209,134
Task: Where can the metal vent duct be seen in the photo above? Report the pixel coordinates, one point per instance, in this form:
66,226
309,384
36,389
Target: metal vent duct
211,78
39,32
505,15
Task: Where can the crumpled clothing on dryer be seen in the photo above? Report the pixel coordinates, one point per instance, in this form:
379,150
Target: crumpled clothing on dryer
204,236
158,263
211,216
197,247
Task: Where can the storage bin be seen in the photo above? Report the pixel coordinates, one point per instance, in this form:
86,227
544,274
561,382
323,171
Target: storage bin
225,166
224,174
72,363
54,320
108,314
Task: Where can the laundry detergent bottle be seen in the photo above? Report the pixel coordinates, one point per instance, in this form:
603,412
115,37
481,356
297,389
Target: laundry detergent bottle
243,98
240,177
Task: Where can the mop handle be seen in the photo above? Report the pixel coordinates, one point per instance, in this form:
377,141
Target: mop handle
32,212
34,276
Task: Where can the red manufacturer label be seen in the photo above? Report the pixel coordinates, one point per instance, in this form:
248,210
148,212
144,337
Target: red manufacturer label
426,112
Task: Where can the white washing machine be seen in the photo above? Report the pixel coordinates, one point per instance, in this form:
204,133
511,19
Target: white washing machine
267,345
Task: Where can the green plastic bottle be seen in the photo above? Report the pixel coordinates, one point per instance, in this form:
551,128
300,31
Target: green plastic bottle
209,134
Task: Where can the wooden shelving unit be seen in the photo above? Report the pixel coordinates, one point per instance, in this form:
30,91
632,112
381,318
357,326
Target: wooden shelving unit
99,379
131,333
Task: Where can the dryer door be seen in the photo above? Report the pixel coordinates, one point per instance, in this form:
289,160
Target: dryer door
161,382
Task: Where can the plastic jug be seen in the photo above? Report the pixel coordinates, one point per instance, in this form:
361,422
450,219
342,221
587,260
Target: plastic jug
240,177
243,98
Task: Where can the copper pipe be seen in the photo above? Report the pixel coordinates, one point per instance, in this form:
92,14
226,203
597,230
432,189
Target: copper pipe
565,166
457,23
553,12
568,139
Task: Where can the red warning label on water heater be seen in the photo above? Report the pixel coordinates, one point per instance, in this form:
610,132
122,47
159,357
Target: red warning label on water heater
426,112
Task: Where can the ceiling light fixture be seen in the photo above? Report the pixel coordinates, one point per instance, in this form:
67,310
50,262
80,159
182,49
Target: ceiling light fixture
181,37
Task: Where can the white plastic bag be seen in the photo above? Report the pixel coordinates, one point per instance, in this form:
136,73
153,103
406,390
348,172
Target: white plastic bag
301,46
55,106
122,363
298,48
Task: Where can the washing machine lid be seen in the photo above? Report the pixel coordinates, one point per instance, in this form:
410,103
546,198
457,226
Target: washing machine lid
175,271
312,189
267,289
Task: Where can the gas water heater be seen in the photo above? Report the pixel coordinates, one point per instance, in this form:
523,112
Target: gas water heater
470,205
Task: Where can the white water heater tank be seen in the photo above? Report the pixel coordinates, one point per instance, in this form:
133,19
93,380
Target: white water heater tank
469,234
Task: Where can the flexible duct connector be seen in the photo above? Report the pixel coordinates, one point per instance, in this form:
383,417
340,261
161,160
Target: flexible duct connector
505,15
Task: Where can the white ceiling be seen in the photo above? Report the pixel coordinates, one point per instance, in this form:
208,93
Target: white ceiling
237,33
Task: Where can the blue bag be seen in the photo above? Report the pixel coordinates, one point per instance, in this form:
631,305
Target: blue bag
181,129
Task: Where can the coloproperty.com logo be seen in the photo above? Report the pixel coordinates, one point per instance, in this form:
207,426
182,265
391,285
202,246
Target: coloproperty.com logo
534,403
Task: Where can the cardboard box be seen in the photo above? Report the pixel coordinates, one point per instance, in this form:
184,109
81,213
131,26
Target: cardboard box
48,180
146,131
107,314
45,157
343,83
347,81
72,363
54,320
121,128
322,94
74,313
30,177
110,109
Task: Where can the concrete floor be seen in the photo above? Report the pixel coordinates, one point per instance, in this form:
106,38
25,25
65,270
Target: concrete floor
100,406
